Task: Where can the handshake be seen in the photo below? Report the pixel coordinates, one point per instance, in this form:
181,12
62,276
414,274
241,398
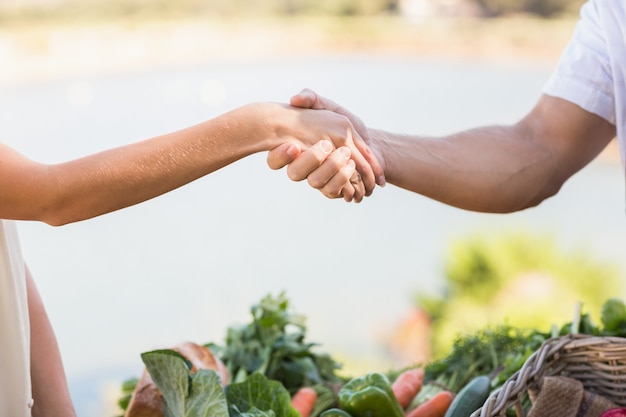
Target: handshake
345,163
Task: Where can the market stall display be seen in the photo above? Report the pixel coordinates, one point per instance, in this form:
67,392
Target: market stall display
267,368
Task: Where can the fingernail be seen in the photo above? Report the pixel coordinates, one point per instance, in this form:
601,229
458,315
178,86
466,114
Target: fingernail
381,181
292,150
326,146
345,152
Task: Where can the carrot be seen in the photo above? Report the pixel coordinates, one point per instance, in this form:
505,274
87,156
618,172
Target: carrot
304,400
407,385
435,406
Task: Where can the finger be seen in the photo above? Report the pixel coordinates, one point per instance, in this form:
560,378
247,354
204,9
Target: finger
304,99
362,165
310,160
359,187
348,193
309,99
339,185
377,169
329,168
282,155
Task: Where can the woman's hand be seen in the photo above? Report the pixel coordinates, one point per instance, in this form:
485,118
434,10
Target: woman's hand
328,170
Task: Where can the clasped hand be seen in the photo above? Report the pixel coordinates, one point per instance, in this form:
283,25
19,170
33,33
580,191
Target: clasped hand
348,167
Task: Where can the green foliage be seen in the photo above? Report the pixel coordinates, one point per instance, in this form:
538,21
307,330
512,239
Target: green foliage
259,396
79,9
185,394
483,353
68,9
518,279
200,394
613,315
499,351
544,8
274,344
128,386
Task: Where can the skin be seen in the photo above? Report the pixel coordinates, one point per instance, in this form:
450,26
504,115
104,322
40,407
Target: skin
494,169
50,390
80,189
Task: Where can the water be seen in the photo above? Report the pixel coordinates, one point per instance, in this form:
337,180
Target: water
186,265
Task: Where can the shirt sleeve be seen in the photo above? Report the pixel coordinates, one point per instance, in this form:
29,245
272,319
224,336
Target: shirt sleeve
583,75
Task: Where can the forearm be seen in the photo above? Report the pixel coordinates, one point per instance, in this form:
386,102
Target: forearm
489,169
50,390
120,177
125,176
498,168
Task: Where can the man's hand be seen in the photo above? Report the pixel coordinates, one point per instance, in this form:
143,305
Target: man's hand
308,99
332,172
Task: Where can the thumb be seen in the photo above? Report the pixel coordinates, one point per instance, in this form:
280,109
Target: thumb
282,155
305,99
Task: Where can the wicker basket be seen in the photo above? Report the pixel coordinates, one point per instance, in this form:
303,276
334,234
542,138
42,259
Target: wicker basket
598,362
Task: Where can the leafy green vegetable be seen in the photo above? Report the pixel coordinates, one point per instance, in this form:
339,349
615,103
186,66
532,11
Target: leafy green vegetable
502,350
273,343
128,386
326,399
270,360
254,412
186,395
257,395
481,353
613,315
200,394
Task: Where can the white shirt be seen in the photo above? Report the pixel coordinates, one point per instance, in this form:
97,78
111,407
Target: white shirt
15,385
592,70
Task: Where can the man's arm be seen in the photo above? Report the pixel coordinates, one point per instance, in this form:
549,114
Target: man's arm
498,168
120,177
490,169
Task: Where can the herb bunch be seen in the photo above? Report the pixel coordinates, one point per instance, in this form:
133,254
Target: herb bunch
274,343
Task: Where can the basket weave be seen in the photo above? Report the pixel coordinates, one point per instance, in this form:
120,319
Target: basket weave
598,362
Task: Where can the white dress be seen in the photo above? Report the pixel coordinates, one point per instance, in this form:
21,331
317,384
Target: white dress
15,384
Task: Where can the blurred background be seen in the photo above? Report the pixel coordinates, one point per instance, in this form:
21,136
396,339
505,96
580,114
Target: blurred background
384,283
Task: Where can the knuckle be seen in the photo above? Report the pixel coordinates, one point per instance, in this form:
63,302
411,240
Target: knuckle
328,195
348,193
294,174
315,182
335,191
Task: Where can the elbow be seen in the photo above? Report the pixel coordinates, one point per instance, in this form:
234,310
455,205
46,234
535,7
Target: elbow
515,199
546,194
57,222
549,190
56,214
54,219
61,217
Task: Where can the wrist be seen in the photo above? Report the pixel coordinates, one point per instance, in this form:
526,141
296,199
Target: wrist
379,146
261,125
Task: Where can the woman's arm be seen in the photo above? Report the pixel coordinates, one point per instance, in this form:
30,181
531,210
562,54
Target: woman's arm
50,390
120,177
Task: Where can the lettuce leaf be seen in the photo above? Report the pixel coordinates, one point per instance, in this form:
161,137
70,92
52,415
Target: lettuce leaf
259,397
186,395
255,412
